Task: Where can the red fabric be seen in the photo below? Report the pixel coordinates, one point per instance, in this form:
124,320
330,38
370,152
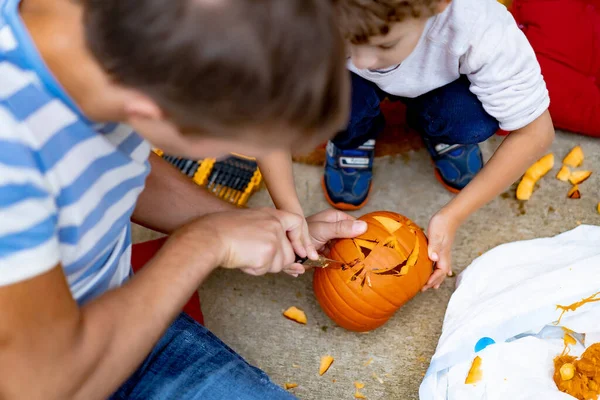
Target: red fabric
142,253
565,35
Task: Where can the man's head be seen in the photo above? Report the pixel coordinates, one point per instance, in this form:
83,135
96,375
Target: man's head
211,76
383,33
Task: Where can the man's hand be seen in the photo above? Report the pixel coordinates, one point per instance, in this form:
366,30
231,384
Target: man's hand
253,240
302,241
333,224
441,231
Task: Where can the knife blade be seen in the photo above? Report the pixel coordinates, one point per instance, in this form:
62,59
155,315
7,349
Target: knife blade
321,262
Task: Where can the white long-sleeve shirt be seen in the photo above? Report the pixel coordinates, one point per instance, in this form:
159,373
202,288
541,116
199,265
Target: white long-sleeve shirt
479,39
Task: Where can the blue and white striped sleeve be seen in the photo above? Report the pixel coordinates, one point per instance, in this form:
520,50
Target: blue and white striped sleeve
28,214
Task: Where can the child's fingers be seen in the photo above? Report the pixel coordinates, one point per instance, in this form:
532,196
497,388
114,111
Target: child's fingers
435,279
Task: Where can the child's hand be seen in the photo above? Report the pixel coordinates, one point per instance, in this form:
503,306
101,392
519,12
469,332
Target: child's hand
441,236
302,242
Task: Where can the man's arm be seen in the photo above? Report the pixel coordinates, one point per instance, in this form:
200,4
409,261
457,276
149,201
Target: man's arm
170,199
52,349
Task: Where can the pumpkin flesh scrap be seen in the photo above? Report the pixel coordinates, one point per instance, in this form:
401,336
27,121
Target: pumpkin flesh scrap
574,193
326,362
564,174
572,307
578,177
534,174
296,315
475,373
574,158
288,386
579,378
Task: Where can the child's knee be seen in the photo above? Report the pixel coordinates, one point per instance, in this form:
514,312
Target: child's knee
452,115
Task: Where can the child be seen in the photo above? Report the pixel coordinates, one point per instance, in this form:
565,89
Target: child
464,70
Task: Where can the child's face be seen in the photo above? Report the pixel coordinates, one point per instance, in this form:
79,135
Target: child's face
389,50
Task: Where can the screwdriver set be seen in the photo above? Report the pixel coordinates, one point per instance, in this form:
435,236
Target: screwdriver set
233,179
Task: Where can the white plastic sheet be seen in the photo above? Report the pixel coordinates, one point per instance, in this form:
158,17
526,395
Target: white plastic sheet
508,299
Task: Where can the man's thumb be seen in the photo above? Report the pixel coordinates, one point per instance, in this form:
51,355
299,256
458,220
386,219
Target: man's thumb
326,231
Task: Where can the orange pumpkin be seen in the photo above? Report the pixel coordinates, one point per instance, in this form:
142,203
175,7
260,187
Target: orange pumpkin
384,268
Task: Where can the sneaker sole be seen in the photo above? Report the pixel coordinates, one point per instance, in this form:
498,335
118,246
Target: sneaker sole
444,184
343,206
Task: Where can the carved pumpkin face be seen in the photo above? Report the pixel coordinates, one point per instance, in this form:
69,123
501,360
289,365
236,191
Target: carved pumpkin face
384,268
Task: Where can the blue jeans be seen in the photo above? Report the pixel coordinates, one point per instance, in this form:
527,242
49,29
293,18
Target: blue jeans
451,114
189,362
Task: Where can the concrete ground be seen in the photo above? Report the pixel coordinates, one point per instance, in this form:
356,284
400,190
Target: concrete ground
245,312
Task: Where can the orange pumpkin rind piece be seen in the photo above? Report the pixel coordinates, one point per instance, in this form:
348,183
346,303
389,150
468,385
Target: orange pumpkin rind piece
389,224
598,208
574,158
295,314
326,362
290,385
564,174
574,192
475,374
578,177
359,395
359,385
533,174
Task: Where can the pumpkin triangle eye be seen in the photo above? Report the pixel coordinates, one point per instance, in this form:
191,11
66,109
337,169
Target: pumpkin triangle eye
365,251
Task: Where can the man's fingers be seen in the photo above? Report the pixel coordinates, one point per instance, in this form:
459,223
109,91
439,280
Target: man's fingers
311,251
294,269
299,248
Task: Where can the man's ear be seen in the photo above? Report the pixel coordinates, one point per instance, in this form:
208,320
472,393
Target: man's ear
140,106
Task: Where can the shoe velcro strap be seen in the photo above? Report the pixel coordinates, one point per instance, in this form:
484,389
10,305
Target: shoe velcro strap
442,148
354,162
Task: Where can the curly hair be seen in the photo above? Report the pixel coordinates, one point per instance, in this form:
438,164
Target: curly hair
361,19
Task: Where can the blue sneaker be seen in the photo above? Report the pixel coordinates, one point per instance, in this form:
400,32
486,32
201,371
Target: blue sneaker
455,165
348,174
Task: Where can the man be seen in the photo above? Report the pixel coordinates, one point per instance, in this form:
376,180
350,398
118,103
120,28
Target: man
197,78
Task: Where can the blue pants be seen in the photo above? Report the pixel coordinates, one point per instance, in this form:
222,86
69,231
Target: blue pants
189,362
451,114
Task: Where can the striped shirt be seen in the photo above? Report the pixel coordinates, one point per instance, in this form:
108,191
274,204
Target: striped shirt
68,186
